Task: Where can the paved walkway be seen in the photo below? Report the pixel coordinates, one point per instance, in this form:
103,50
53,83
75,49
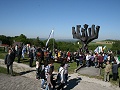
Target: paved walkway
91,71
27,81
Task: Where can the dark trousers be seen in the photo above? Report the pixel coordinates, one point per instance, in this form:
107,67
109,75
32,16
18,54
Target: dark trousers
19,57
37,73
66,78
61,86
11,69
115,75
31,62
77,61
101,64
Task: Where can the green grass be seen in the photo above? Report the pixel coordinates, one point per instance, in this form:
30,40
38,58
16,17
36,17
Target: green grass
3,70
2,53
70,69
56,66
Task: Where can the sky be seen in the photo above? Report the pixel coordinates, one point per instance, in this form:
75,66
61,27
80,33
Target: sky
36,18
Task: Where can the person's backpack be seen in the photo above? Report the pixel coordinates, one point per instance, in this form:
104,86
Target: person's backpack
59,76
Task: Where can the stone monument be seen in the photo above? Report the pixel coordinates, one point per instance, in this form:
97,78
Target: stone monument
85,35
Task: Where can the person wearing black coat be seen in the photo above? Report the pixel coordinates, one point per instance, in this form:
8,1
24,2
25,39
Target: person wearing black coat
31,58
19,53
9,59
115,67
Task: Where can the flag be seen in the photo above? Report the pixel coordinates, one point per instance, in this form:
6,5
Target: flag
104,47
98,49
49,37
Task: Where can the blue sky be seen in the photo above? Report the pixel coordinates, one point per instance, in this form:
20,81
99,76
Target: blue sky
35,18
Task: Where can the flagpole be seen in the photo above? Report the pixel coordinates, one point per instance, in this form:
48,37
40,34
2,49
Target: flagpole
53,42
49,37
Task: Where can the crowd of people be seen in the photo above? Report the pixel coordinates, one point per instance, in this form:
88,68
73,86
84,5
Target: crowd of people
45,58
106,61
44,65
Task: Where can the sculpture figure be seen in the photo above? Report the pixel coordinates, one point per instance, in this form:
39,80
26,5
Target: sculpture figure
85,36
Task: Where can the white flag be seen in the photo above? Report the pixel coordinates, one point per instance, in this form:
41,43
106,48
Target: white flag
49,37
96,50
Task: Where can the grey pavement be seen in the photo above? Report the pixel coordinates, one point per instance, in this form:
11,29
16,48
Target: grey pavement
8,82
91,71
27,81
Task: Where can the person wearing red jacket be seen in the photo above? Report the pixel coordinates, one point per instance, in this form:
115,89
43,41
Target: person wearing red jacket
100,60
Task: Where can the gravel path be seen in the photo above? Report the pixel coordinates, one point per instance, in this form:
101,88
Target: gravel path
27,80
8,82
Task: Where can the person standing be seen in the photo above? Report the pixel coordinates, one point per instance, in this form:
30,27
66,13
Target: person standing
42,55
105,58
42,76
19,53
96,60
77,58
62,77
33,49
68,56
81,58
88,56
66,72
31,57
100,60
37,69
107,71
23,52
115,70
9,59
48,73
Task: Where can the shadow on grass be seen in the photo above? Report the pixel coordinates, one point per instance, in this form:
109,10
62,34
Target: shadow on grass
24,61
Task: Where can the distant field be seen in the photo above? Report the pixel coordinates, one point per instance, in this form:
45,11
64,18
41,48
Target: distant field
108,46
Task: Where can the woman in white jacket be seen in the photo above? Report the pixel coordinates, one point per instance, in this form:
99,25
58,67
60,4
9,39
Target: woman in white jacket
62,75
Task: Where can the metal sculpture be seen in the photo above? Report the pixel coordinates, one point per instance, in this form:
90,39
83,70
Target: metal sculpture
85,36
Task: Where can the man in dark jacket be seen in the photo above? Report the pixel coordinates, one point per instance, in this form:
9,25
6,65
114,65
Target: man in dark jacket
9,59
19,53
31,58
115,70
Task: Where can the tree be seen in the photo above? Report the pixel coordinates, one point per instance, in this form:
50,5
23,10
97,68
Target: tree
38,42
5,40
67,46
21,38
